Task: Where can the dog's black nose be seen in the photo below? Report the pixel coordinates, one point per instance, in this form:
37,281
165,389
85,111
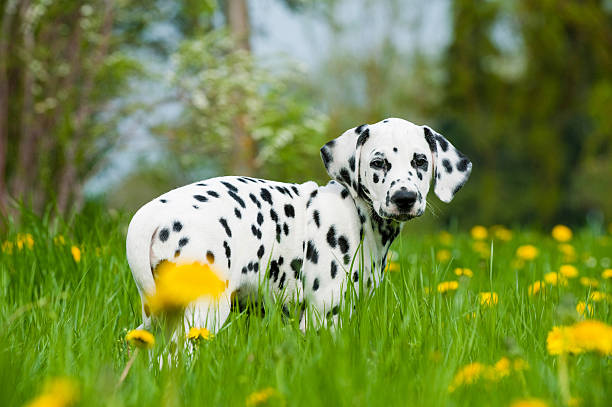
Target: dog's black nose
404,199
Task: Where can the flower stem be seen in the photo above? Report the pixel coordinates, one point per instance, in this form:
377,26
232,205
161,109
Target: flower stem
127,368
564,379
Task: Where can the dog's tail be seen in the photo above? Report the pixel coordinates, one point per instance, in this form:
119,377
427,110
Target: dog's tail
138,247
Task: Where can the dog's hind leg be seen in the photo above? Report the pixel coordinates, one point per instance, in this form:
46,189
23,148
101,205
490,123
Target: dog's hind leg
208,313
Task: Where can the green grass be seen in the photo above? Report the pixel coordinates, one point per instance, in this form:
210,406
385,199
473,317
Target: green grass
402,346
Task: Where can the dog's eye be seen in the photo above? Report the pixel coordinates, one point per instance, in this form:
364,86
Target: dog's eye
377,163
420,161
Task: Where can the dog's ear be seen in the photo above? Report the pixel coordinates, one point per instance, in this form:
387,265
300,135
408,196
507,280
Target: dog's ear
341,157
451,168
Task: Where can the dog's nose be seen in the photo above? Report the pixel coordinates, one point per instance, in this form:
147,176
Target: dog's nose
404,199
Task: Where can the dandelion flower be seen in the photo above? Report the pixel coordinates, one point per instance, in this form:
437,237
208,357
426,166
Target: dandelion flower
467,375
464,272
519,365
443,255
446,286
553,278
500,369
261,397
598,296
479,232
76,253
199,333
527,252
393,266
568,271
140,338
584,309
535,288
589,282
562,233
7,247
488,299
503,234
178,285
529,403
59,392
25,240
481,248
569,252
606,274
592,335
559,340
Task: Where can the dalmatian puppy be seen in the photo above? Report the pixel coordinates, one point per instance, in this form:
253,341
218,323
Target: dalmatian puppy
298,242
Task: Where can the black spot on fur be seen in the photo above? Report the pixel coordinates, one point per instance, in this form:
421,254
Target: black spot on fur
244,270
230,186
177,253
289,211
345,176
183,242
363,137
352,163
313,194
395,149
344,245
463,165
355,276
164,234
447,166
260,252
334,269
163,201
213,194
315,216
265,195
210,257
312,253
331,236
375,178
360,128
255,200
259,218
315,284
223,223
177,226
273,215
344,193
326,155
442,141
200,198
296,266
346,259
237,213
430,138
281,283
237,198
286,229
295,190
228,253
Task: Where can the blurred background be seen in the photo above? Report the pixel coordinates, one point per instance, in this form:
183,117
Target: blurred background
113,102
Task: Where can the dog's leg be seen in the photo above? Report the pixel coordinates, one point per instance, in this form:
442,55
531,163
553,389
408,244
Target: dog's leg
208,313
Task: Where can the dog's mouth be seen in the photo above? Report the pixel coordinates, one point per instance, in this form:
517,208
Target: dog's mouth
400,217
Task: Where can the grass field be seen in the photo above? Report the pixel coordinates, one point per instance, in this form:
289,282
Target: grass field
405,345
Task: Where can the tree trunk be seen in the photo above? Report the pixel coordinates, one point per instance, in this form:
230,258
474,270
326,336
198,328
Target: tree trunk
243,162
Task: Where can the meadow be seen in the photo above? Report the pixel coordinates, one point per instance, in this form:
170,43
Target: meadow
462,318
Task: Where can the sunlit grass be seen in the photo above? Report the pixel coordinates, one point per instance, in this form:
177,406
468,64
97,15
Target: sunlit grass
65,317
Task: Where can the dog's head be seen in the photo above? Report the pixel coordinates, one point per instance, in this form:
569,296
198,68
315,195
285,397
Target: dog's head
391,165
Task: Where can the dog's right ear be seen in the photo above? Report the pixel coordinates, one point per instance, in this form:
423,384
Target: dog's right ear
341,157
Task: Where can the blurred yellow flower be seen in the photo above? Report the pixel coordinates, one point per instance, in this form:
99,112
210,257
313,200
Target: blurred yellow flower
464,272
7,247
58,392
178,285
488,299
562,233
589,282
445,238
482,248
199,333
393,266
467,375
584,309
529,403
24,240
520,364
527,252
59,240
501,233
535,288
76,253
479,232
606,274
569,252
261,397
501,369
446,286
443,255
140,338
553,278
568,271
583,336
598,296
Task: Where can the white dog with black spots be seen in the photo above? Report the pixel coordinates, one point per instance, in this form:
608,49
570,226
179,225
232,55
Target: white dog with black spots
299,243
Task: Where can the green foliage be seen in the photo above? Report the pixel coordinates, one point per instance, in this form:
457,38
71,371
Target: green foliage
401,346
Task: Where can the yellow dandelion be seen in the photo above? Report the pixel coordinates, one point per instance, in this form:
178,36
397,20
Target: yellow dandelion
59,392
481,248
261,397
199,333
527,252
568,271
598,296
464,272
500,369
76,253
529,403
7,247
606,274
468,374
140,338
488,299
562,233
568,251
535,288
592,335
443,255
518,365
553,278
25,240
589,282
479,232
445,238
393,266
501,233
446,286
559,340
178,285
584,309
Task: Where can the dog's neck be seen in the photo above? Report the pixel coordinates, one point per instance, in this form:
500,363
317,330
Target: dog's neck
377,233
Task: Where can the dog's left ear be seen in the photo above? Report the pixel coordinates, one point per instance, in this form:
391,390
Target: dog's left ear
341,157
451,168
